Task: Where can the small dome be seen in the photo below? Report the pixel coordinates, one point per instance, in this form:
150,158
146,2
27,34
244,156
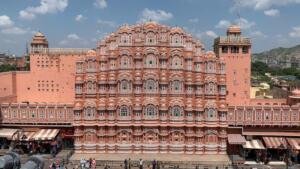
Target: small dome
222,106
39,34
234,29
91,53
150,23
79,79
210,54
39,39
78,106
176,30
124,28
222,80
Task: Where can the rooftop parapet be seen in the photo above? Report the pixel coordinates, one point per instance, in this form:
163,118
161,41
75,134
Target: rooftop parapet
232,40
60,50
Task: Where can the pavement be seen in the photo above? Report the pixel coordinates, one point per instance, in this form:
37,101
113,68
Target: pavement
205,159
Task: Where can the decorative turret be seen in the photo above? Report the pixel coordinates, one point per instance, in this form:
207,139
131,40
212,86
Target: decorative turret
234,30
39,41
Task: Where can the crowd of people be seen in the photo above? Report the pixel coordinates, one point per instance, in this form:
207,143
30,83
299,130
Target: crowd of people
57,164
128,164
88,164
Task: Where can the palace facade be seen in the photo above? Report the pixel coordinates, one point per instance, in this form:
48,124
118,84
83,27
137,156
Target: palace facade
146,88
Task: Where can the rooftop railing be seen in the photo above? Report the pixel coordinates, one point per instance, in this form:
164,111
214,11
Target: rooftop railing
59,50
233,39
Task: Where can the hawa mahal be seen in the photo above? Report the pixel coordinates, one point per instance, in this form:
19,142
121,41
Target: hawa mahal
146,88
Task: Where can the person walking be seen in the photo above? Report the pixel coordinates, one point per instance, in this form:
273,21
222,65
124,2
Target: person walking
154,164
129,163
94,163
125,164
141,164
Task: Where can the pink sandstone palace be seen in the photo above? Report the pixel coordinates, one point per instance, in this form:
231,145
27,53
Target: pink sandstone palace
146,88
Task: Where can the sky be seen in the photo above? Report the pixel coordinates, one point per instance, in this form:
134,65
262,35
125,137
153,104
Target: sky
81,23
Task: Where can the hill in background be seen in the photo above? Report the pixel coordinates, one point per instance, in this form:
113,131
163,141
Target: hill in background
280,57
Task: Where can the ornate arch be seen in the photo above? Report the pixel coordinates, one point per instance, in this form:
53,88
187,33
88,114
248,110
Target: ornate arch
150,50
124,111
150,110
90,103
151,85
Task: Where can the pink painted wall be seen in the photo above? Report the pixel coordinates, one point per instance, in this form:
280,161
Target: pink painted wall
7,87
50,80
51,83
238,74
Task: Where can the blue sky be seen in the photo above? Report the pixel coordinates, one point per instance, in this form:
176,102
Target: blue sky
80,23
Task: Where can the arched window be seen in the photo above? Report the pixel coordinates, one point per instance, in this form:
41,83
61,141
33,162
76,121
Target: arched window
210,67
223,90
150,38
150,85
125,39
150,61
90,113
189,65
79,67
150,110
78,88
210,88
197,67
176,111
176,39
91,65
125,62
91,87
211,114
125,86
222,68
124,111
176,86
176,62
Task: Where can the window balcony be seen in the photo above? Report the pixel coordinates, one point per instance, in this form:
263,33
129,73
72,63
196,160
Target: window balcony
124,118
91,70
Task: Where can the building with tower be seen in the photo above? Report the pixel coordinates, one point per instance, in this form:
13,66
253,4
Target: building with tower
146,88
236,51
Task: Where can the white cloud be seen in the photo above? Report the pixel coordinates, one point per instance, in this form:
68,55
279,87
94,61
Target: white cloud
194,20
14,30
244,23
100,4
73,36
295,33
205,35
72,40
106,23
155,15
80,18
257,34
263,4
223,24
46,6
211,34
26,15
8,26
272,12
5,21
